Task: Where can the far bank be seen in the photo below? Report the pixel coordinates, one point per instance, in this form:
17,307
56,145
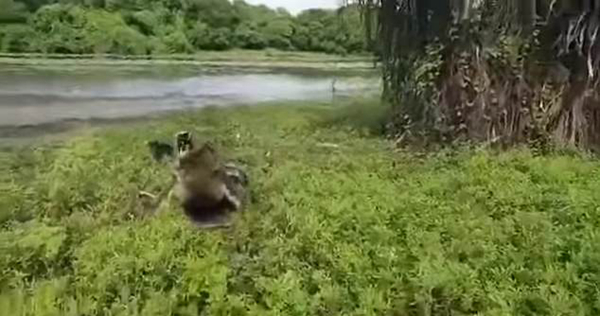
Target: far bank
266,59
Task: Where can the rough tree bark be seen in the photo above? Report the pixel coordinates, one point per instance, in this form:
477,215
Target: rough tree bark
528,14
487,83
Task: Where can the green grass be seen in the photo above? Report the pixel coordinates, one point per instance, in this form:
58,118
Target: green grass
355,230
239,58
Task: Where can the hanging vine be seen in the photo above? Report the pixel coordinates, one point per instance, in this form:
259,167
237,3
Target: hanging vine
503,72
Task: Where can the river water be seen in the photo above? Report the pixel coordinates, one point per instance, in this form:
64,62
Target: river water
32,96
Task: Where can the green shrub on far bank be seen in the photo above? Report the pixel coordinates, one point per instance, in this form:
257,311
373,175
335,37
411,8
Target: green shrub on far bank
16,38
68,29
174,27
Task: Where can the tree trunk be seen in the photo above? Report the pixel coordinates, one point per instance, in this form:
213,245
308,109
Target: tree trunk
570,6
465,9
528,10
586,5
543,8
461,9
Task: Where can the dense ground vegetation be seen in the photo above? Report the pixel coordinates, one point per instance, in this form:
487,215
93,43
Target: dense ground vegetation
171,26
349,230
341,221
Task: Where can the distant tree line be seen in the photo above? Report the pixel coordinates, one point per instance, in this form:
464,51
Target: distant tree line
140,27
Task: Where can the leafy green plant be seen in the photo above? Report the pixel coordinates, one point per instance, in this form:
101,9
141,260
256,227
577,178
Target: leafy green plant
246,37
351,229
108,33
15,39
132,27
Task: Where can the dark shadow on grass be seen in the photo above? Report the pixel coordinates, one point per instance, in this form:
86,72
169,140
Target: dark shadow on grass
205,217
370,116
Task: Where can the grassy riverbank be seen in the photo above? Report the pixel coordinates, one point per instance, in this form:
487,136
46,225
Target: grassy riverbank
232,58
340,224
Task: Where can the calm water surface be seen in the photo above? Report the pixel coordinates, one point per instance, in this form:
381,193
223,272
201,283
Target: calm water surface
33,96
